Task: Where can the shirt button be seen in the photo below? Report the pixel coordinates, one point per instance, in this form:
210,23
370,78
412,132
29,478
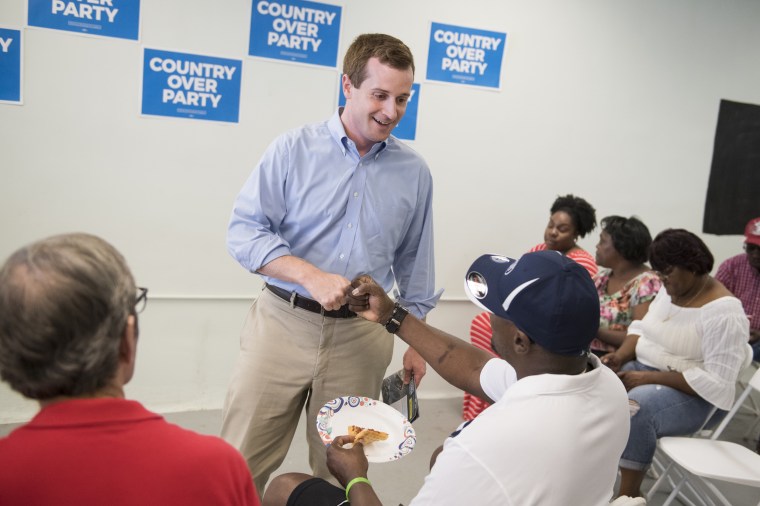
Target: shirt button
356,195
341,256
349,225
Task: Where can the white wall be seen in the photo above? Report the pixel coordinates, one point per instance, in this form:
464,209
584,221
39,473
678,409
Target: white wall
614,100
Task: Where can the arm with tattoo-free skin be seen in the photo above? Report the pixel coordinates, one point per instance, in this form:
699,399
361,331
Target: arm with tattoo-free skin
455,360
633,379
326,288
617,337
625,353
673,379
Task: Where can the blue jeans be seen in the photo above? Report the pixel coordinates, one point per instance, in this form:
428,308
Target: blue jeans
663,411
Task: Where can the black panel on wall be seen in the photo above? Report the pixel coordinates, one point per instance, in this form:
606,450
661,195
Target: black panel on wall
733,192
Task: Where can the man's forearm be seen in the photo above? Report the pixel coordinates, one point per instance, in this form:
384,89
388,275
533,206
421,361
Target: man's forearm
454,360
288,268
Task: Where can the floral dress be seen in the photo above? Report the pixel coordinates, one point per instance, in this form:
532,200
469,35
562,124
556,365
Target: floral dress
616,309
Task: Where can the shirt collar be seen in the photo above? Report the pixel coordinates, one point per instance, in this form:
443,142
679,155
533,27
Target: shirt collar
339,135
93,411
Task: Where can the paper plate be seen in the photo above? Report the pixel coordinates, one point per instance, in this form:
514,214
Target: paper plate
335,417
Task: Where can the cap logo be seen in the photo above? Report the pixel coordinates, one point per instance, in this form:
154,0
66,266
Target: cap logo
476,282
514,293
755,228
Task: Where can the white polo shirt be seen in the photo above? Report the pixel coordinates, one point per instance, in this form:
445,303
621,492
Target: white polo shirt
549,439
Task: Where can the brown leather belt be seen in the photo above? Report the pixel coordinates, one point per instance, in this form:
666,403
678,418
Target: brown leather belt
297,300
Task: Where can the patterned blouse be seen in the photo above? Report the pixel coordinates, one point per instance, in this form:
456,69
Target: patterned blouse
616,309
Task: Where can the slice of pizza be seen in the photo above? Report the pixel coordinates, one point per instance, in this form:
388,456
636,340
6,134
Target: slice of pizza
366,436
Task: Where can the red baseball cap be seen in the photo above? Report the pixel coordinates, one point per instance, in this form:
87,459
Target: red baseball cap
752,232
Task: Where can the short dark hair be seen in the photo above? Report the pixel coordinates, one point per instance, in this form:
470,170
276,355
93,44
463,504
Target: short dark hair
630,237
582,213
676,247
64,304
389,50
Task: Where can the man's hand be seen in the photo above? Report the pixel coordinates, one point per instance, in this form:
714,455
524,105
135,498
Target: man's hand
368,299
328,289
346,463
414,364
754,336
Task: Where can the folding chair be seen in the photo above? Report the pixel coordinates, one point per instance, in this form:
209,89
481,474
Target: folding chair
752,405
700,461
661,465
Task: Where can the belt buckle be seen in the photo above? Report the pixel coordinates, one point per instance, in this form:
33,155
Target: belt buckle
293,295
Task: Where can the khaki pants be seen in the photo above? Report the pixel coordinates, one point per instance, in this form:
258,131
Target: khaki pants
289,359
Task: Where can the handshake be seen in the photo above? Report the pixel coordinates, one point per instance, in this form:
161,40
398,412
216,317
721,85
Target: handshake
369,300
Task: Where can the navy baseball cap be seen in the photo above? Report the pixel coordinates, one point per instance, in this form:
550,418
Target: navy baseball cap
548,296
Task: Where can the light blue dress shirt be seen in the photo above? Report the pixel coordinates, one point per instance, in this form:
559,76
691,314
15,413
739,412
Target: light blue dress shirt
312,196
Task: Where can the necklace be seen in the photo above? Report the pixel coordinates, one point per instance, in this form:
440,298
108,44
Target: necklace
680,307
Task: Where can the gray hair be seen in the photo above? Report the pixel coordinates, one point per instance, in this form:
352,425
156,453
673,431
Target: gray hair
64,304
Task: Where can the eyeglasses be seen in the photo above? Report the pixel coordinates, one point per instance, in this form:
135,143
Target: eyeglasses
142,299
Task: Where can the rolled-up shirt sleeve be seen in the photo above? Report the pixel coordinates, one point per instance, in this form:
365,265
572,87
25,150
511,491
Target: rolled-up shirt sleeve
725,330
259,208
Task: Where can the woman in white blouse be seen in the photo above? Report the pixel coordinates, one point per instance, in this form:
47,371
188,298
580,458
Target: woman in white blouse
683,357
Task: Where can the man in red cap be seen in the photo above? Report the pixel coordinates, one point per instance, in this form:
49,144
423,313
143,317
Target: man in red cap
741,275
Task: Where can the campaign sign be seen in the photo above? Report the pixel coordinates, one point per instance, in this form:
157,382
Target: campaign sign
407,127
10,65
296,31
108,18
191,86
465,55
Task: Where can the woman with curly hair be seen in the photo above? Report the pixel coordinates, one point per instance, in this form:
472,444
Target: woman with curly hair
570,218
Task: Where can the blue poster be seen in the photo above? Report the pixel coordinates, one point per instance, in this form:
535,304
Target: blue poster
108,18
191,86
296,31
465,55
407,127
10,65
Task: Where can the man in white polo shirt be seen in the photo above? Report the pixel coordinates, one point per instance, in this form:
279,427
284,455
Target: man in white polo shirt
559,421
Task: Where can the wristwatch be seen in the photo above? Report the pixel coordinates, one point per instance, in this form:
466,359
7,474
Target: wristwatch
397,316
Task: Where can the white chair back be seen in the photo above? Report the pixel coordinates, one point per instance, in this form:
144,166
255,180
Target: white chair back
754,384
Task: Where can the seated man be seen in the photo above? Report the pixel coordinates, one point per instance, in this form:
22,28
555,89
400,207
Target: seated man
741,275
560,419
68,338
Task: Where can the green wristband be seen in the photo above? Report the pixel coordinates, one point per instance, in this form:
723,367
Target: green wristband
358,479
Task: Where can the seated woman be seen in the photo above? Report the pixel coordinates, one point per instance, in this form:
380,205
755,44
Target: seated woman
625,285
683,358
570,217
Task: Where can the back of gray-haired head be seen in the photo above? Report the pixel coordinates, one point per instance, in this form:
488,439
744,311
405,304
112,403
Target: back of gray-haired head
64,304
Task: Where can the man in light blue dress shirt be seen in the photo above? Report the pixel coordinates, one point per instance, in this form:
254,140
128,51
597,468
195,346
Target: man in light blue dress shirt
328,202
